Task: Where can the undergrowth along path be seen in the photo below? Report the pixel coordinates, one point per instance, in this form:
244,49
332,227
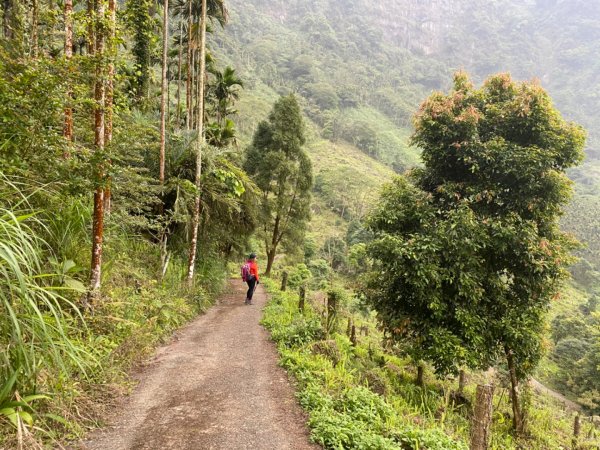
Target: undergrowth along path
216,386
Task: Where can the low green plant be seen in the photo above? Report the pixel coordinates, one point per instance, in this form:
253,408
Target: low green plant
343,413
365,396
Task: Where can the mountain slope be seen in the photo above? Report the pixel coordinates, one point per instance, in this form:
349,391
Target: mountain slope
362,67
390,54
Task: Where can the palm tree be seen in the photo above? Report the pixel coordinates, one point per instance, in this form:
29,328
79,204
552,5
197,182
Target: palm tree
221,135
68,125
218,12
164,87
99,143
199,146
225,92
191,12
179,62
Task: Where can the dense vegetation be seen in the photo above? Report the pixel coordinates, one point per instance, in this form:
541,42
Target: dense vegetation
361,393
146,144
102,160
468,258
362,68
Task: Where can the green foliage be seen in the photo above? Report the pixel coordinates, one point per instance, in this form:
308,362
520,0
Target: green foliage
39,325
574,351
222,93
47,345
320,270
342,414
300,275
334,251
465,264
143,25
364,396
283,172
31,100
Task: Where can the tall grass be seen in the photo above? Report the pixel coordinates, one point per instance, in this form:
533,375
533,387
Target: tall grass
56,368
34,333
38,323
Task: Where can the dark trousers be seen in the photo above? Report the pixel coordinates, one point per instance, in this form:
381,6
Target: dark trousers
251,285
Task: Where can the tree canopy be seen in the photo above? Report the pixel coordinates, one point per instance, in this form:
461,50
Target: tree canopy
283,172
468,252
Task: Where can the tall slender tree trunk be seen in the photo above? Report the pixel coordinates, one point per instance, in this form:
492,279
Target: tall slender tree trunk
199,115
178,112
110,81
163,98
199,146
169,79
163,129
272,248
90,37
193,92
188,82
270,260
99,141
109,102
6,27
35,14
68,124
518,424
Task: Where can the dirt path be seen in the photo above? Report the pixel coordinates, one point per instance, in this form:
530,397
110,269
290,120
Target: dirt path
217,386
539,387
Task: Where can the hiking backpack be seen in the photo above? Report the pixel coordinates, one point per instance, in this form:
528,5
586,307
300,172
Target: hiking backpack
246,272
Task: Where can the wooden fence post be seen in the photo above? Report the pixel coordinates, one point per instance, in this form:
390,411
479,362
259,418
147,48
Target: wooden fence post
482,417
302,299
576,432
331,312
462,381
353,336
420,374
284,281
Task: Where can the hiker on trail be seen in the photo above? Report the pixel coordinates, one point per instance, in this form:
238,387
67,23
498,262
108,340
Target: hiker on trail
250,276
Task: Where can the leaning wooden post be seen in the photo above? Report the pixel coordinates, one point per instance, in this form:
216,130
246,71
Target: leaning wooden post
462,381
331,311
353,336
482,417
420,374
302,299
284,281
576,432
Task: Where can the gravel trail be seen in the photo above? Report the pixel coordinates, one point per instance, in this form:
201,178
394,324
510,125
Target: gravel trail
216,386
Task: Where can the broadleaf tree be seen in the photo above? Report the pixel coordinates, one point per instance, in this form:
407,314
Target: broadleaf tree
282,170
468,253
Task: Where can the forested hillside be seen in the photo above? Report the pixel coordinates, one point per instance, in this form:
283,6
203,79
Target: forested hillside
363,68
388,55
403,191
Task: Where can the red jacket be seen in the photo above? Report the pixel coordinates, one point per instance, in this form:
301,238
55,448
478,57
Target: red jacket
253,268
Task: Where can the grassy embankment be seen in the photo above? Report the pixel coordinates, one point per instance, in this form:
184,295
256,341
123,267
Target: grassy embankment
365,396
63,367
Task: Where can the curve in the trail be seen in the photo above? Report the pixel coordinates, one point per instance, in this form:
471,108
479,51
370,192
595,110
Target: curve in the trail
216,386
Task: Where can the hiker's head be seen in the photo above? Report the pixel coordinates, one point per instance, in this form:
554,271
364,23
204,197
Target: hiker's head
252,256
